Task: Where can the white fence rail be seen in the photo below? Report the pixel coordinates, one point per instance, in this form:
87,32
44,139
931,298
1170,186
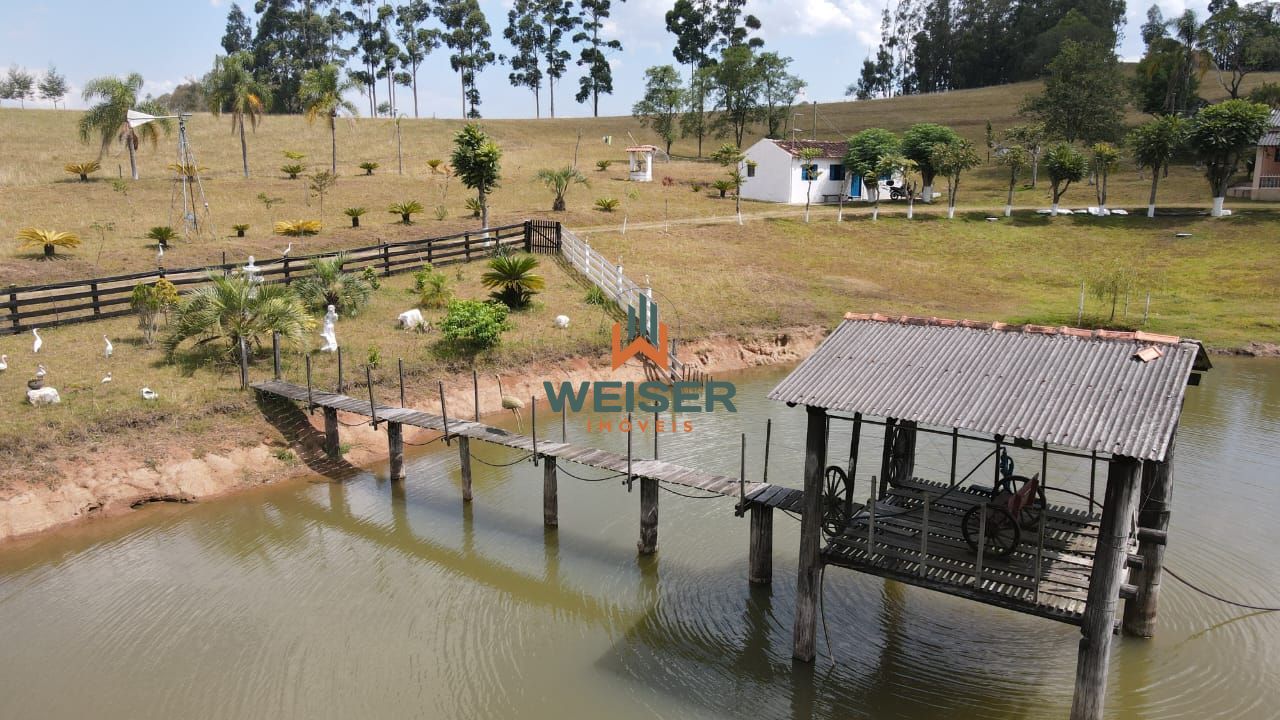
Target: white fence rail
610,279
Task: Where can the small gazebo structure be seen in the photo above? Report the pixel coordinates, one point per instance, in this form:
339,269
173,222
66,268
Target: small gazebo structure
1086,398
640,161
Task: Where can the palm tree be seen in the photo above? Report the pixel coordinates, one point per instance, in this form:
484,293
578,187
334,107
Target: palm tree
512,279
232,87
109,119
559,181
329,285
48,240
232,308
321,94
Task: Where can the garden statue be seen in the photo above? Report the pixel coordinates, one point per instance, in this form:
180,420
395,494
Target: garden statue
327,332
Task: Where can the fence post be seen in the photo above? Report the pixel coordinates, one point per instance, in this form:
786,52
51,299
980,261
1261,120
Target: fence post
528,236
430,252
93,288
13,309
287,277
559,236
386,258
466,247
275,354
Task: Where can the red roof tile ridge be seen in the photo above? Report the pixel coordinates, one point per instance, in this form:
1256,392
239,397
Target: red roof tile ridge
918,320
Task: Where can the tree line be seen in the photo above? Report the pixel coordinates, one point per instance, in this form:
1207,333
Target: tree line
21,85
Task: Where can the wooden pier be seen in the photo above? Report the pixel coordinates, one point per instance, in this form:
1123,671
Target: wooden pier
648,472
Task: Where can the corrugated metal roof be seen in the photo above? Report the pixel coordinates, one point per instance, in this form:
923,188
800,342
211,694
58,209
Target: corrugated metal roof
1271,139
1075,388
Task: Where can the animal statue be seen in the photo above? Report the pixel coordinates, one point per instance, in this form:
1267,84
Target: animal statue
39,343
328,333
41,371
4,363
512,403
149,395
108,350
106,378
412,320
43,396
562,321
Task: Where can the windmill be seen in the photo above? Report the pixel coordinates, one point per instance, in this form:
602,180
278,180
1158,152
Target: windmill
195,206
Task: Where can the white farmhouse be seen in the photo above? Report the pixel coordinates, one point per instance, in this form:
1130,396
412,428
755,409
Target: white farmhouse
774,172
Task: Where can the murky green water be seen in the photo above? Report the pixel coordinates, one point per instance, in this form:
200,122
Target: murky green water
357,599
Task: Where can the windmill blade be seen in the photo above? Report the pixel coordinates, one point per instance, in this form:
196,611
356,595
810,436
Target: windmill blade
138,119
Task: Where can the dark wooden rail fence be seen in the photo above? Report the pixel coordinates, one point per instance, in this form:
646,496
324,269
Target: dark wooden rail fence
77,301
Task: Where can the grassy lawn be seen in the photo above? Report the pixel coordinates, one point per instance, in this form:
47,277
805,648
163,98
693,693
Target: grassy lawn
1221,285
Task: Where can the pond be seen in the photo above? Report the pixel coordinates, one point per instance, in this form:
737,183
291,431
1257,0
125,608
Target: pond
364,599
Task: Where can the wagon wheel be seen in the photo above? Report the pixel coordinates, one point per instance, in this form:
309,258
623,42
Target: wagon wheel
835,511
1002,533
1030,516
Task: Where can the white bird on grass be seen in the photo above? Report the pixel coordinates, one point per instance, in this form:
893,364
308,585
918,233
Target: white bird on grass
4,363
106,379
512,403
149,394
41,371
108,349
39,343
287,250
562,321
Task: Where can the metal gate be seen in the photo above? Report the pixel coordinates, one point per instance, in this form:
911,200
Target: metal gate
544,237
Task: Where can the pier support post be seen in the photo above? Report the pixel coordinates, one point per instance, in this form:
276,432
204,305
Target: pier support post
1104,590
899,454
331,433
810,563
648,516
395,449
550,501
1157,495
760,553
464,454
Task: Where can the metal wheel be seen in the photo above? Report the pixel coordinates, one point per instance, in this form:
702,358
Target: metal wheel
835,507
1002,533
1029,518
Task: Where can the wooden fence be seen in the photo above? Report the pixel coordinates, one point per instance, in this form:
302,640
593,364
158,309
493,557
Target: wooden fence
78,301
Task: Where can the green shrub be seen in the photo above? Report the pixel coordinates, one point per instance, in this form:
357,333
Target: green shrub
512,280
374,357
406,210
442,212
432,288
354,213
603,165
608,204
240,229
162,234
293,170
474,206
369,167
473,325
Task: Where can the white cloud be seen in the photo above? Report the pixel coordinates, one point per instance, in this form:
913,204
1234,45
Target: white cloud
817,17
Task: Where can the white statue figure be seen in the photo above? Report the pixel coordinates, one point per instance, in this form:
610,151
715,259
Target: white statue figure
327,332
253,274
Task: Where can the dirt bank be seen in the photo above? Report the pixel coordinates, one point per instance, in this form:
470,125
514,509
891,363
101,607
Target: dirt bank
285,441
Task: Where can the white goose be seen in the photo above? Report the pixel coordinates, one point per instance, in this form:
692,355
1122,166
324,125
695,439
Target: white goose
287,250
4,363
108,349
106,379
562,321
39,343
149,394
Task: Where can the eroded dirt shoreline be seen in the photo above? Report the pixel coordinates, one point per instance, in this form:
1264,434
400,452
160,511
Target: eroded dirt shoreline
289,447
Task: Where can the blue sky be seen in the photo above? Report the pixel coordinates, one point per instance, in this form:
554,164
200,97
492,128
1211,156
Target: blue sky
169,40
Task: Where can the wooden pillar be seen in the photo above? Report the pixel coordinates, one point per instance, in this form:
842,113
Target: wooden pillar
331,433
395,449
810,563
550,501
464,454
1104,590
760,553
648,516
1157,501
898,460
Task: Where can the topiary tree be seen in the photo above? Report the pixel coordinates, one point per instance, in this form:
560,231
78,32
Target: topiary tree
917,146
1065,165
1154,145
477,161
48,240
559,181
1015,159
1221,136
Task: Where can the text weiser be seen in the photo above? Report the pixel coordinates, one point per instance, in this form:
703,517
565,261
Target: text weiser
646,397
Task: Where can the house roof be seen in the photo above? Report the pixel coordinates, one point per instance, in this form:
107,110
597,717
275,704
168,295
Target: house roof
1271,139
1275,118
1094,390
829,148
642,148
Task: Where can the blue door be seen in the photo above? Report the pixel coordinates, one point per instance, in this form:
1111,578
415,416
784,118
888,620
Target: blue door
855,187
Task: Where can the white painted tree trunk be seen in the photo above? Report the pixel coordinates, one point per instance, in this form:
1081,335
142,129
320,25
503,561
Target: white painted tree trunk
1151,210
927,193
1217,207
875,212
1008,210
951,212
1053,210
911,209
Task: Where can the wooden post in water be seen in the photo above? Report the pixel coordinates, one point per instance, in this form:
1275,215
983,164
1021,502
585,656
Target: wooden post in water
809,565
550,500
768,439
464,454
395,449
331,433
1104,590
1157,494
648,516
275,354
760,552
